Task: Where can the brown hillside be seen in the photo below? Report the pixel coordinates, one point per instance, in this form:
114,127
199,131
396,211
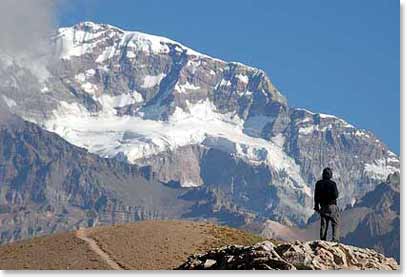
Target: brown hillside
143,245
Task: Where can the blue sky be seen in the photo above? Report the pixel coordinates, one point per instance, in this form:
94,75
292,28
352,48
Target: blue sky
336,57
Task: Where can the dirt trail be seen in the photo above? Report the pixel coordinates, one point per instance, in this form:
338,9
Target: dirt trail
156,245
83,235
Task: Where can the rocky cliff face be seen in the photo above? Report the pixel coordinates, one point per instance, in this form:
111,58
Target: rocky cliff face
192,120
359,159
48,185
380,227
313,255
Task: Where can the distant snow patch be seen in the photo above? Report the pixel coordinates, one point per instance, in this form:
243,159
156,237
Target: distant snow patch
107,54
243,78
81,77
89,88
322,115
10,102
118,101
146,43
90,73
44,89
360,133
326,117
188,184
109,102
130,54
225,83
381,168
152,80
311,128
137,96
184,88
306,130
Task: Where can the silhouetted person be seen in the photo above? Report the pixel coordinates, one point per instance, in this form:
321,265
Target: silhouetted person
325,204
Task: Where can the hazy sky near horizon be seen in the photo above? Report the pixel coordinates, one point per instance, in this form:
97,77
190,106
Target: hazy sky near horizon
335,57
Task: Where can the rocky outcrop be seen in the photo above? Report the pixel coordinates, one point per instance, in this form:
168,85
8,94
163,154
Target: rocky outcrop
312,255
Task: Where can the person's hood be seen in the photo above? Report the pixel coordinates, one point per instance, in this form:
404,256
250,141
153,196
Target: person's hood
327,173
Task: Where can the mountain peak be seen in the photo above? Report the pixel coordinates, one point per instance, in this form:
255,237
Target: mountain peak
153,43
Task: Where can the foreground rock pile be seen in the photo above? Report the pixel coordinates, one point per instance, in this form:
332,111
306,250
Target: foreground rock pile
312,255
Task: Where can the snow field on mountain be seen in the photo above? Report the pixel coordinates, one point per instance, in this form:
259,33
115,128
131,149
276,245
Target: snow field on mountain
109,135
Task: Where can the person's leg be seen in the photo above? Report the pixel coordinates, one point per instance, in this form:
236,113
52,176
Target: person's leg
335,224
324,227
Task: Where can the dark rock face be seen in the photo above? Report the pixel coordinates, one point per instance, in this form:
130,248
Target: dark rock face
380,228
236,185
313,255
48,185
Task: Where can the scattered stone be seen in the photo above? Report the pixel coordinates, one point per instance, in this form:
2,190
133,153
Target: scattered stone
209,263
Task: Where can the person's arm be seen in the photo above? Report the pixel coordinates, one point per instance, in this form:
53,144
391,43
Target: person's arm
316,197
336,193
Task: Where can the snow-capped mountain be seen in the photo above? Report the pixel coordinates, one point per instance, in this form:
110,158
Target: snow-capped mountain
193,120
